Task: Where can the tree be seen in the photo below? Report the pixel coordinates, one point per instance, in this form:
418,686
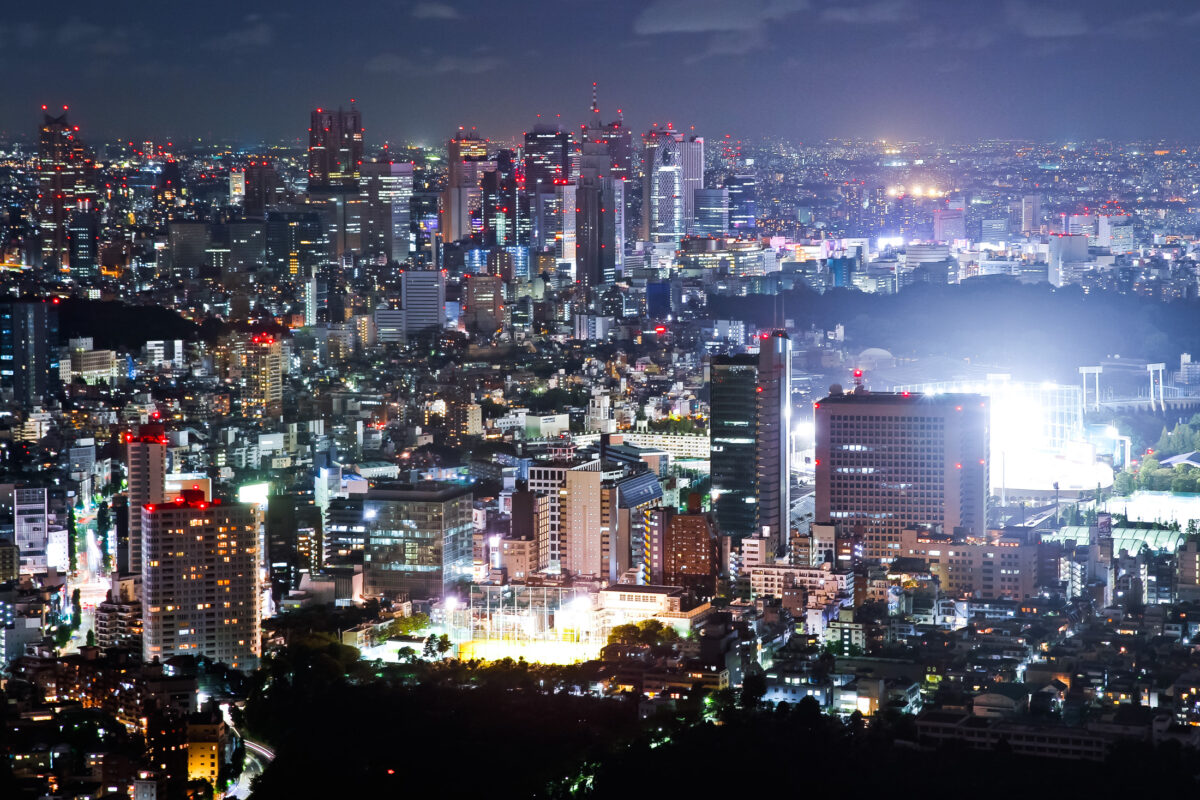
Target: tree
430,650
91,638
1124,484
444,645
76,610
754,688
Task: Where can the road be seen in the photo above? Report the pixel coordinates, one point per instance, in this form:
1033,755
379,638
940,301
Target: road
257,758
803,502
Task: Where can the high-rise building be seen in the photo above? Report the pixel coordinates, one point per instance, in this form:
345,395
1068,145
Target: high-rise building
461,212
255,363
684,549
335,147
733,431
200,581
418,539
263,188
547,150
387,228
773,436
617,139
712,212
146,473
296,242
748,433
674,170
64,169
505,204
743,202
28,350
83,244
483,304
1031,213
31,528
423,298
890,461
599,228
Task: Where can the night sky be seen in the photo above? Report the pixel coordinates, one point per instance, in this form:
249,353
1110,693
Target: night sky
804,69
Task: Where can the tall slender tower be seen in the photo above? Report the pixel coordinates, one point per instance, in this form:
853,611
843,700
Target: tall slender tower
335,147
62,169
146,468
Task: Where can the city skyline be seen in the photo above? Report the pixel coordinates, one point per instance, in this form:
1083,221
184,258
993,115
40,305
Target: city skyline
802,69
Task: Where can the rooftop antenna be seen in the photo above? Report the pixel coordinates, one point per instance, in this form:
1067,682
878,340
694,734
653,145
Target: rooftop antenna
595,104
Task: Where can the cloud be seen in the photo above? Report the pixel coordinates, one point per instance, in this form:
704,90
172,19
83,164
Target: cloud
712,16
435,11
1045,21
394,64
254,32
81,36
879,12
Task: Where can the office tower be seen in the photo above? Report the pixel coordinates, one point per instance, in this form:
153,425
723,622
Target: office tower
712,212
296,242
743,202
247,241
547,160
387,227
505,205
335,147
262,186
773,437
554,219
63,173
83,244
31,529
550,480
599,220
1031,213
582,534
993,230
949,224
200,581
237,186
146,473
418,539
616,138
733,400
886,462
28,350
748,433
483,304
674,170
423,298
462,200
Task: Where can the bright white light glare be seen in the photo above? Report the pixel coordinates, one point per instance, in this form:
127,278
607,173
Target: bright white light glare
1112,432
450,603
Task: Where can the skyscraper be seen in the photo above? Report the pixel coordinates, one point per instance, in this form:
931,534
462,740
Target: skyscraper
462,200
674,170
63,172
423,298
28,348
887,461
748,434
200,581
743,202
712,212
146,472
733,400
335,147
547,150
83,244
387,229
505,205
599,219
616,138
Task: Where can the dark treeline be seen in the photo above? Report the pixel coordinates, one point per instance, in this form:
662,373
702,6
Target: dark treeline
995,320
115,325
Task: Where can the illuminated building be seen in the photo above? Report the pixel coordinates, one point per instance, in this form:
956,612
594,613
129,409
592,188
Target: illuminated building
200,582
63,166
550,479
483,304
996,564
712,212
296,242
748,431
462,200
262,187
743,202
546,157
335,147
83,244
1031,213
388,187
616,138
418,538
683,549
255,363
423,298
674,170
505,206
599,221
146,470
28,355
889,461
